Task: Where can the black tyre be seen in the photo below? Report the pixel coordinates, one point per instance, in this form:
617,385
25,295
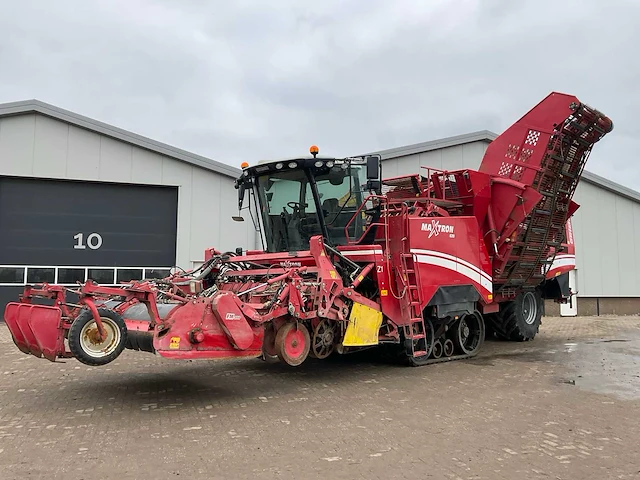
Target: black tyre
83,341
520,319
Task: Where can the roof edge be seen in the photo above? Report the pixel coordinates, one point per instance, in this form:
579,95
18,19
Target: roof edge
479,136
37,106
488,136
611,186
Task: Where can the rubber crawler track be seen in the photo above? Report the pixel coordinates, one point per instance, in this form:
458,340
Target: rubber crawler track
419,362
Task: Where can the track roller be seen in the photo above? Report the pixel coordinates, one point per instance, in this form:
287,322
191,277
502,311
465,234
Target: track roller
447,347
437,349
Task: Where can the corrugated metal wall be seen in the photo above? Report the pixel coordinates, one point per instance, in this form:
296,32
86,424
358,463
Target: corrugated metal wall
607,226
34,145
607,231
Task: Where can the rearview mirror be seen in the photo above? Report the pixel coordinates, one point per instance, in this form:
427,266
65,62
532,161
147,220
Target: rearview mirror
241,190
373,168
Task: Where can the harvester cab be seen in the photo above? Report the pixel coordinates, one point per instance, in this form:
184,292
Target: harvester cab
421,265
299,198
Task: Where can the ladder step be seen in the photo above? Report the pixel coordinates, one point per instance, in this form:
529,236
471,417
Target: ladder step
420,353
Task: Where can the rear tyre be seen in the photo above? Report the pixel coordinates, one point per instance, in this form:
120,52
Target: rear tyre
83,337
520,319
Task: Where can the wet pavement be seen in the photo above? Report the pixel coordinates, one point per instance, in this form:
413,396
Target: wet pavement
609,366
565,406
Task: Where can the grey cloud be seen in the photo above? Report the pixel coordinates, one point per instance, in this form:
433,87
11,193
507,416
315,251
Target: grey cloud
248,80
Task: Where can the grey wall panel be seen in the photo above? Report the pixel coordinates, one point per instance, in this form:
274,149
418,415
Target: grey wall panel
626,241
606,232
146,166
587,243
431,159
115,160
472,154
206,215
175,173
607,243
50,147
453,158
83,156
450,158
16,144
636,246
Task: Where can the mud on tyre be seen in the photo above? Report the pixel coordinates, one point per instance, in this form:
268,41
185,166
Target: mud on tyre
83,341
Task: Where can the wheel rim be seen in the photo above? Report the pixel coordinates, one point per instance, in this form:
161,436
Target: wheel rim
323,339
448,347
90,342
529,308
293,343
437,349
470,333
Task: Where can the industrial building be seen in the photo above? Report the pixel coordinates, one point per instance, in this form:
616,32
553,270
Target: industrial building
83,199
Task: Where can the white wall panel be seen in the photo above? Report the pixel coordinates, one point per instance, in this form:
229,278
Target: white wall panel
50,147
115,160
145,166
16,144
83,156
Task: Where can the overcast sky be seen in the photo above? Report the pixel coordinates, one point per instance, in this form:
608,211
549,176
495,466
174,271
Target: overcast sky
247,80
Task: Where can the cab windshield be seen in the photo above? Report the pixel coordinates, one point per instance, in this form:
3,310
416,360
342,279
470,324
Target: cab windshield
289,211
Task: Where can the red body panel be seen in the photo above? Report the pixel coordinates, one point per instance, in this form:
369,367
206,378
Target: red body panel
448,252
199,316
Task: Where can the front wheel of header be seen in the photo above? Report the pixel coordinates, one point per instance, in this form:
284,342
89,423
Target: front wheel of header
84,341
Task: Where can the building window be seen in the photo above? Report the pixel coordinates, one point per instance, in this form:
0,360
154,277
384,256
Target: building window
12,275
150,273
128,274
70,275
41,275
101,275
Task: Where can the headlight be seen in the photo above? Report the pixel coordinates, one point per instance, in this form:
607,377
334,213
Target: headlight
330,163
293,164
279,166
318,163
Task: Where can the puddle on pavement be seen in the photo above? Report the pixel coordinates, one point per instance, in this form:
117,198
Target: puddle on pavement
607,365
610,366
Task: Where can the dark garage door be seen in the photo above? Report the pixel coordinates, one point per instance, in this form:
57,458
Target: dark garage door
62,231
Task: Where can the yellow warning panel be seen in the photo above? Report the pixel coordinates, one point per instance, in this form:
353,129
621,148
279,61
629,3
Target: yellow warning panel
175,343
363,328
